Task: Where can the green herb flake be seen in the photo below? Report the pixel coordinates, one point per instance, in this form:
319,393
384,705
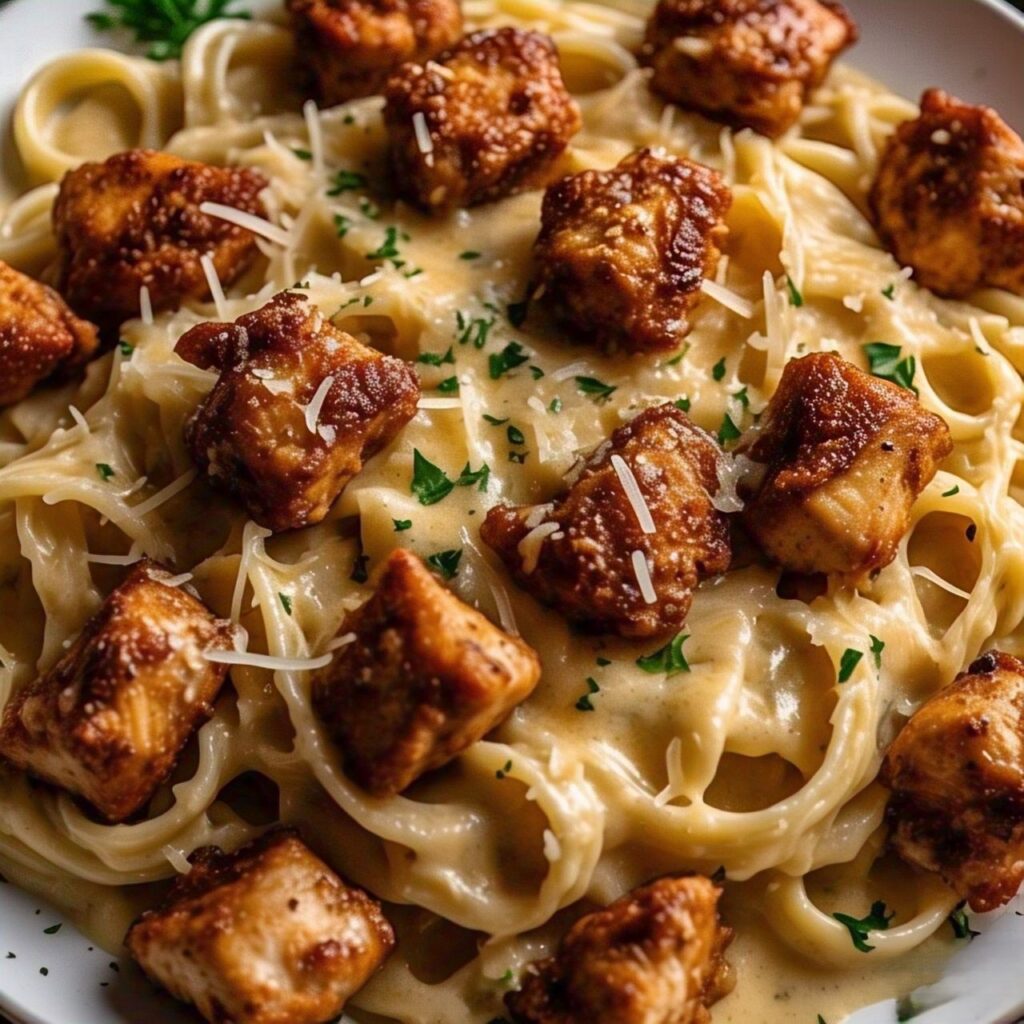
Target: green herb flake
668,659
511,356
286,603
884,362
603,662
473,331
742,397
125,348
678,357
515,435
585,703
494,421
360,571
517,312
449,386
368,208
889,291
955,489
536,372
430,483
849,661
347,181
435,358
44,971
795,298
821,1020
507,978
52,930
907,1009
859,928
105,471
480,476
388,249
502,773
682,404
555,405
718,370
469,254
728,431
877,646
595,389
302,154
960,923
341,224
401,525
446,563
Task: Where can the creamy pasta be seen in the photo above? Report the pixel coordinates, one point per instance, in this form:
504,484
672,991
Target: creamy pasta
757,759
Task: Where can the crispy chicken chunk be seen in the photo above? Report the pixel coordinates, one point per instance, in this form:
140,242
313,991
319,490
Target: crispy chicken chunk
351,47
298,409
426,677
655,956
134,221
266,935
40,338
621,254
844,455
750,63
581,553
487,119
956,771
110,719
948,199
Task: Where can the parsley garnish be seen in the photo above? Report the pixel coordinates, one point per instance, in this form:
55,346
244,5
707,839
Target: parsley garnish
446,563
678,357
555,405
430,483
876,921
682,404
536,372
388,249
44,971
480,476
164,24
435,358
473,331
668,659
286,603
585,703
884,362
346,181
955,489
341,224
515,435
126,348
302,154
795,298
517,312
889,291
105,471
728,431
877,646
469,254
596,389
449,386
849,661
360,573
602,661
742,397
821,1020
511,356
52,930
502,772
402,524
718,370
906,1010
960,923
368,208
494,421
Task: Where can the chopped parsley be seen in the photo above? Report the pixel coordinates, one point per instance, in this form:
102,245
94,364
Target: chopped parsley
446,563
668,659
795,298
341,224
511,356
536,372
431,484
859,928
449,386
907,1009
494,421
105,471
742,397
515,435
388,249
678,357
347,181
884,362
585,703
44,971
286,603
435,358
360,573
555,405
469,254
52,930
473,331
728,431
955,489
961,924
502,772
480,476
517,312
302,154
718,370
821,1020
596,389
682,404
849,661
877,646
368,208
602,661
126,348
164,24
889,291
401,525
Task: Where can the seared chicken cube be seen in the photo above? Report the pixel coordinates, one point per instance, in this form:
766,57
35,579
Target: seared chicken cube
622,253
266,935
614,559
956,771
487,119
134,221
110,719
297,410
844,456
750,63
351,47
948,199
655,956
40,338
426,677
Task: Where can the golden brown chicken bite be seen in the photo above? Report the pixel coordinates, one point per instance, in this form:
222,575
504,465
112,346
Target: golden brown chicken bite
843,457
135,220
487,118
40,338
948,199
350,47
266,935
110,719
622,253
655,956
298,409
956,771
612,563
750,63
426,677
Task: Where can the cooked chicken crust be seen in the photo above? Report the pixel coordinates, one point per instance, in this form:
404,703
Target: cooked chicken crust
266,935
426,677
110,719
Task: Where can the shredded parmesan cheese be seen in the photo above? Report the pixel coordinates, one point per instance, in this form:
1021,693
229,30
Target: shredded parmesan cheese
578,369
249,222
424,143
213,281
145,306
728,298
162,497
530,545
316,136
268,661
341,641
439,403
643,577
636,498
316,406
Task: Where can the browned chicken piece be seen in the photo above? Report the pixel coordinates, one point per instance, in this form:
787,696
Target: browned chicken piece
426,677
266,935
948,199
622,253
110,719
134,220
956,771
655,956
351,47
580,553
488,118
844,456
40,338
750,63
298,409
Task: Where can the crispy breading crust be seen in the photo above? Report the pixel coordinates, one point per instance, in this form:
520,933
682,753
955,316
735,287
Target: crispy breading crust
349,48
426,678
655,956
948,199
110,719
134,220
40,338
251,435
845,456
956,771
750,63
266,935
622,253
496,113
585,569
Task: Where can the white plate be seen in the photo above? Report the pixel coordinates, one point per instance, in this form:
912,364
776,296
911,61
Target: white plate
972,48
